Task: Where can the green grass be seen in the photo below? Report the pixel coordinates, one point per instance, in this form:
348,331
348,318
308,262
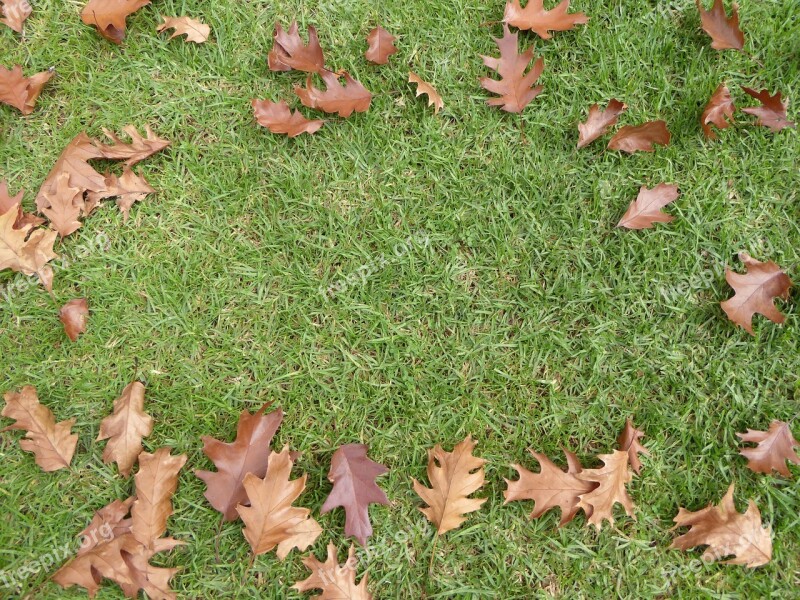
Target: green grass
528,321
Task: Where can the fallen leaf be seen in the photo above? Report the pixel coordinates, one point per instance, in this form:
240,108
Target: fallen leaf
125,427
51,443
278,118
774,448
452,480
337,582
336,98
641,137
19,91
249,453
772,112
354,488
598,122
15,12
29,256
535,18
74,315
129,188
756,291
156,482
717,112
381,46
434,99
646,209
628,440
73,160
109,16
271,520
726,532
289,52
515,87
7,202
612,478
725,33
63,206
550,487
194,30
137,150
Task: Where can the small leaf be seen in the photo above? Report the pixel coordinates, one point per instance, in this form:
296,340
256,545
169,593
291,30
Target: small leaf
535,18
772,112
641,137
278,118
628,440
646,209
19,91
774,448
15,13
344,100
194,30
599,121
719,108
289,52
381,46
74,315
434,99
337,582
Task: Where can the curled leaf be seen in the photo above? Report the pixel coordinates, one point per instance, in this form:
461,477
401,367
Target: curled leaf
423,87
642,137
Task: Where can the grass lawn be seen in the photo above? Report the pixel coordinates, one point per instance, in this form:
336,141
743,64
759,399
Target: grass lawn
518,312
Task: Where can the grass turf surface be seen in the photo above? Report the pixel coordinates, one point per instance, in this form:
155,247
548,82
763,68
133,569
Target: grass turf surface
528,320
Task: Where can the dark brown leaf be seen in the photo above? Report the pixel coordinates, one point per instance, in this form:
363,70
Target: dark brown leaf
725,33
641,137
629,440
289,52
772,112
717,112
74,315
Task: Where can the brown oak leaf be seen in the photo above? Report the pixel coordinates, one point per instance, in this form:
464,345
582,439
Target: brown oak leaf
109,16
51,443
279,118
641,137
717,112
19,91
756,291
628,440
453,476
156,482
14,13
514,87
381,46
29,256
535,18
336,98
249,453
772,112
423,87
354,488
612,478
63,206
7,201
725,33
774,448
128,188
137,150
271,520
550,487
74,315
289,52
337,582
194,30
646,209
125,427
599,121
726,532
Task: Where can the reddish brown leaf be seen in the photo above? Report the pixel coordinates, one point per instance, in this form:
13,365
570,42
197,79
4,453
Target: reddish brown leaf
515,87
628,440
336,98
249,453
772,112
725,33
194,30
24,250
535,18
51,443
129,188
423,87
19,91
646,209
381,46
74,315
599,121
774,448
7,202
354,488
15,12
62,206
337,582
756,291
726,532
136,151
612,478
278,118
125,427
550,487
73,160
156,482
641,137
289,52
109,16
717,112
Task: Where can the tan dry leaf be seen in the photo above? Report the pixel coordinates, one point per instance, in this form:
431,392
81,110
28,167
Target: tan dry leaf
646,210
514,87
109,16
289,52
381,46
64,206
26,256
15,12
535,18
125,427
598,121
51,443
725,33
423,87
726,532
612,478
550,487
628,440
717,112
156,482
772,112
756,291
279,118
194,30
337,582
19,91
271,520
7,202
344,100
453,476
641,137
774,448
74,315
